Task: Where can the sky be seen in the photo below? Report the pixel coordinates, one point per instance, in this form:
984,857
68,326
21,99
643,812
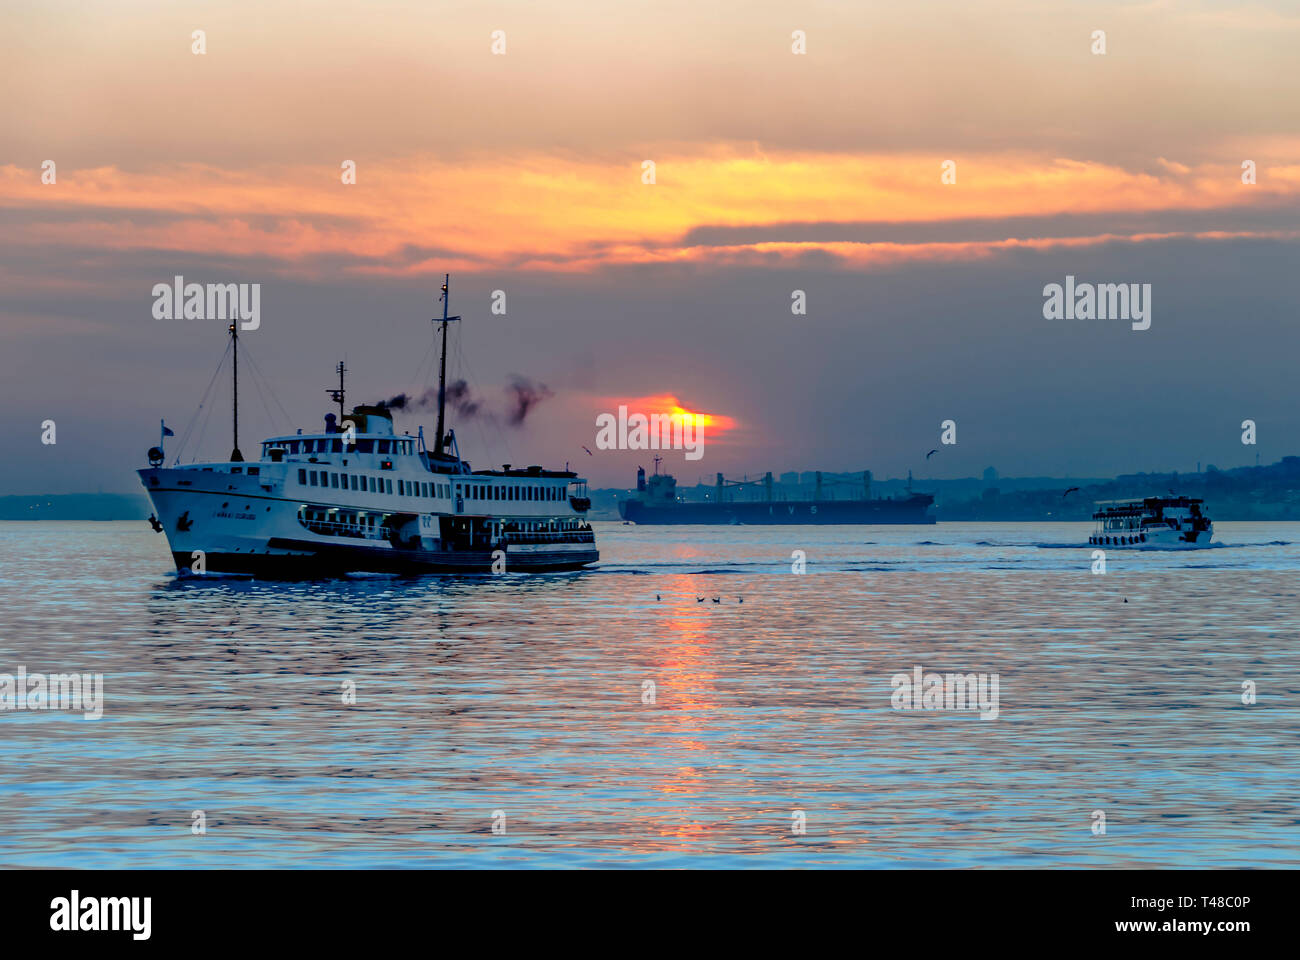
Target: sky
921,172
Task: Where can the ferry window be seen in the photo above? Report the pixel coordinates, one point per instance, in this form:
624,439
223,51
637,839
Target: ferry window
365,446
302,477
236,469
313,478
401,487
336,446
254,471
384,445
388,485
334,480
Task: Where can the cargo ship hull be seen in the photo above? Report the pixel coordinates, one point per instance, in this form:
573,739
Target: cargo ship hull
914,509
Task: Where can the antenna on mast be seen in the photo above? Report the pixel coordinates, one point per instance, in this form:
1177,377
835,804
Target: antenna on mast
337,394
235,455
441,441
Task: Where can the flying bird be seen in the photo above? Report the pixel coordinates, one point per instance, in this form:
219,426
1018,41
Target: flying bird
589,453
699,599
717,599
932,453
1068,492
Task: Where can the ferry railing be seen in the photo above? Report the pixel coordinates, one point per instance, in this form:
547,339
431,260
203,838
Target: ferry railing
333,528
569,536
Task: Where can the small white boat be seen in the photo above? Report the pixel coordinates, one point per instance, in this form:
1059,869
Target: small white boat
1164,522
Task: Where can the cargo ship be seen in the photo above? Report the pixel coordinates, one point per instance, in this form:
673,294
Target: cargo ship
656,502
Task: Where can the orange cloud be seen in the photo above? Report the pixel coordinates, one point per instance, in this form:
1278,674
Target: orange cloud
559,212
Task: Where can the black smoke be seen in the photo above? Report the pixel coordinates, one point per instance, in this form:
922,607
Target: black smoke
522,395
462,400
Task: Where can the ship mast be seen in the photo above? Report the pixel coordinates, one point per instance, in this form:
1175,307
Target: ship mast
337,394
442,365
235,455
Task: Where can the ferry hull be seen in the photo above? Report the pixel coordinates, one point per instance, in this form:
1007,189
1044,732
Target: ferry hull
229,524
331,563
1166,539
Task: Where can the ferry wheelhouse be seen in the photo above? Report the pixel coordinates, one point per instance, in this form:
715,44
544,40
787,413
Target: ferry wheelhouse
356,496
1178,522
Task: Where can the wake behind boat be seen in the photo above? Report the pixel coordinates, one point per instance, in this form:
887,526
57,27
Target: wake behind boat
357,497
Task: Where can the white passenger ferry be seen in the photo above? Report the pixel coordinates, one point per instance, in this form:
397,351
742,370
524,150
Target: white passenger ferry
358,497
1178,522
